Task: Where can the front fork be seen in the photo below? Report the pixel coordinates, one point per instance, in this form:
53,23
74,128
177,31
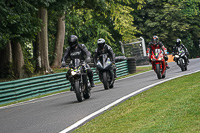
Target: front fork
162,66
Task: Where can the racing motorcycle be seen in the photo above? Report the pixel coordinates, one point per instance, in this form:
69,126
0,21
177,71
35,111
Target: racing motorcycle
178,58
158,63
79,77
105,71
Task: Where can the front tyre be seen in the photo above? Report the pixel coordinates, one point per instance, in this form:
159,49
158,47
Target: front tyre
105,80
77,90
158,72
182,65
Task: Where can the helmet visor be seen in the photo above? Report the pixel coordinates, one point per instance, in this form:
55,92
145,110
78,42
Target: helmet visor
154,42
101,45
72,44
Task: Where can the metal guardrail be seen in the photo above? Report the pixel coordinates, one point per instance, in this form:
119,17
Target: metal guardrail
22,89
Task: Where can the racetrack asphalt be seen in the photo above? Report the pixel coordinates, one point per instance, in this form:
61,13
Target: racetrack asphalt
55,113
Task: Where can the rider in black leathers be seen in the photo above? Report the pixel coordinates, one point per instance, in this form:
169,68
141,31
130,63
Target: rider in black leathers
77,51
103,48
178,46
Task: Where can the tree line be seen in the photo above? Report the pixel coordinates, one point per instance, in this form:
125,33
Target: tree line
33,33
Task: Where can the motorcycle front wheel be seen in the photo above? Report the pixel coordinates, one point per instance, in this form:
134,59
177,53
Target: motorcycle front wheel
158,72
182,65
77,90
105,80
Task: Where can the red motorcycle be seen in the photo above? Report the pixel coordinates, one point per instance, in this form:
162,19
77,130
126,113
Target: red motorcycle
158,63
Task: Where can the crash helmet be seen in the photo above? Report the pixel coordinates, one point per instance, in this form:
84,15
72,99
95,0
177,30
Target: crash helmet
73,41
101,43
178,42
155,40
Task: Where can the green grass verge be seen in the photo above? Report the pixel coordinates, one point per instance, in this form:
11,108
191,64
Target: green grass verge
173,106
138,70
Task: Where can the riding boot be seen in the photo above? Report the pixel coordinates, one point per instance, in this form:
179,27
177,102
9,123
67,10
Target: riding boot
92,82
187,61
167,66
115,74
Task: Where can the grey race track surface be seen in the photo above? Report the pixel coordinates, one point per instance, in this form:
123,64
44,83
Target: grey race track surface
54,113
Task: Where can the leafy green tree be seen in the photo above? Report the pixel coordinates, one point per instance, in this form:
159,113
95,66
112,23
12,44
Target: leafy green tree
41,45
169,20
18,25
104,19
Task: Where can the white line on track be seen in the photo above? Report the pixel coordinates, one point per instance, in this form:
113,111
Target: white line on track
78,123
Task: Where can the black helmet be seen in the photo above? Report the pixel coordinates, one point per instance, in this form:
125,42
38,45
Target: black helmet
155,40
73,41
178,42
101,43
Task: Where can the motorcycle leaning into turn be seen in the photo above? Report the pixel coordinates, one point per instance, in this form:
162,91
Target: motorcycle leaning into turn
79,79
158,63
105,71
179,59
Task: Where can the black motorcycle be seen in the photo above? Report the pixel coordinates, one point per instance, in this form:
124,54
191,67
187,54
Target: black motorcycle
80,84
179,59
105,71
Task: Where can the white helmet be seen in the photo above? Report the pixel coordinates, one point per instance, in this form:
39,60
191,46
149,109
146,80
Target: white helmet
101,43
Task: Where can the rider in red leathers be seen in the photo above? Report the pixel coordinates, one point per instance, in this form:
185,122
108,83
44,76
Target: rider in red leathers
156,44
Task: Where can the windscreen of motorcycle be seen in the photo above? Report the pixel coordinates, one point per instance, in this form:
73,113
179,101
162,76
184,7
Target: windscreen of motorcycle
157,51
76,62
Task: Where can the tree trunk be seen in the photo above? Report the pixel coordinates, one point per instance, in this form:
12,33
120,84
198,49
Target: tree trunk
18,60
59,42
42,58
6,59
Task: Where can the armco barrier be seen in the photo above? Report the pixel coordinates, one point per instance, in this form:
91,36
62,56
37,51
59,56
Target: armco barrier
22,89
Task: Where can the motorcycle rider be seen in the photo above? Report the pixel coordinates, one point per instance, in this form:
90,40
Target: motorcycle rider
103,48
179,45
77,51
156,44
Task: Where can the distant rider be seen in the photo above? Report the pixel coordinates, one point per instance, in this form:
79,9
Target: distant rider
156,44
103,48
77,51
179,45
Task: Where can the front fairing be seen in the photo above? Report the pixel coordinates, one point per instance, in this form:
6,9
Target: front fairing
106,66
181,52
75,67
104,63
157,55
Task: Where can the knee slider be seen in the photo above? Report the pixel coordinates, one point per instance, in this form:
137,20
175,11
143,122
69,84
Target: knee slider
89,72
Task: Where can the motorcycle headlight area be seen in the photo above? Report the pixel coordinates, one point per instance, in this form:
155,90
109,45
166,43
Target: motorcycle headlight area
99,64
160,58
75,71
176,56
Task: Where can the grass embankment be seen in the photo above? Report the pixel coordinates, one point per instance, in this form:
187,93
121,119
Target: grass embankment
173,106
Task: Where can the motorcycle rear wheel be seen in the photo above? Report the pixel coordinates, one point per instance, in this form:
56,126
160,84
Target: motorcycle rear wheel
78,92
105,80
